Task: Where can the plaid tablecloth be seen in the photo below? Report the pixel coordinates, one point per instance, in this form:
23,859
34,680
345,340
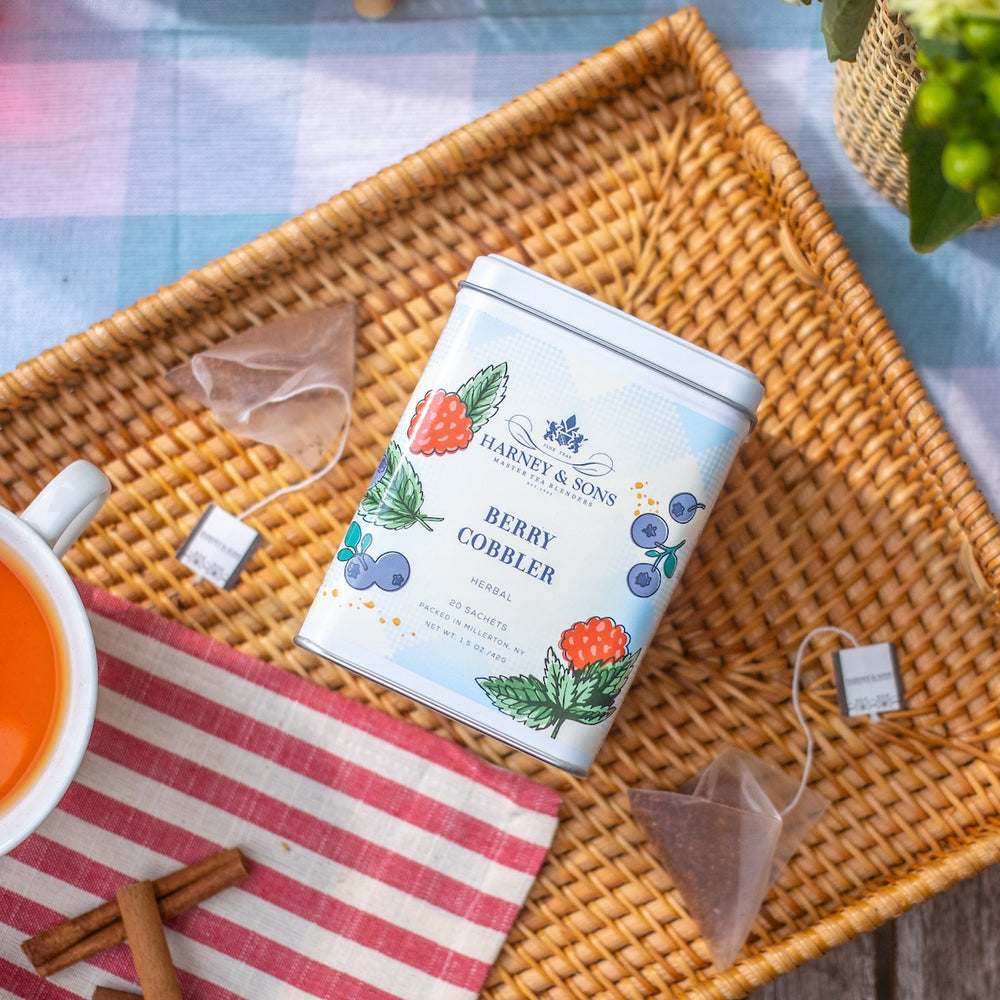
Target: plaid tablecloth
140,140
385,861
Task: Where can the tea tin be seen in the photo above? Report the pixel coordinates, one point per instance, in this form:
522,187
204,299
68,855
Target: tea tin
516,548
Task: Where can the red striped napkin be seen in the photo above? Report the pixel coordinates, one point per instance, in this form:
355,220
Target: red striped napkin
385,861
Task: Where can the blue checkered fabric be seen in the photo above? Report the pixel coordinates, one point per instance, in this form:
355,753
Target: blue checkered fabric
140,139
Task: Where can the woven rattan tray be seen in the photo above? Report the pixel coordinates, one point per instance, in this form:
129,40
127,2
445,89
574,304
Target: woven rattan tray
646,177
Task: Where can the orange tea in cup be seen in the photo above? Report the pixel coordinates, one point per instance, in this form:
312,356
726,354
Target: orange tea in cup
32,678
48,661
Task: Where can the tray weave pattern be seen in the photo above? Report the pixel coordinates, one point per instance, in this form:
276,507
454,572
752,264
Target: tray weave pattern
646,177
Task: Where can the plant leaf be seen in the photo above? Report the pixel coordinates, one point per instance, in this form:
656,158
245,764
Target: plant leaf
353,535
843,23
592,715
393,459
400,507
484,393
938,212
397,499
939,48
522,697
596,688
587,696
558,684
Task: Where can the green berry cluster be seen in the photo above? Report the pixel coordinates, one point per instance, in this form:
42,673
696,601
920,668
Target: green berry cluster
961,97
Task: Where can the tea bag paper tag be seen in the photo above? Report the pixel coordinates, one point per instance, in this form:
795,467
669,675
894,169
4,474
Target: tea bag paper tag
219,547
868,680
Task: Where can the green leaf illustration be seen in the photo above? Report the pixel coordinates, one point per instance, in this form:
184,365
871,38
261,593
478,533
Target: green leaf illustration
598,685
390,464
484,393
395,499
666,558
523,697
558,684
353,535
562,694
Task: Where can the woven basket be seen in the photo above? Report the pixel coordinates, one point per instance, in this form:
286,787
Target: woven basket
871,99
646,177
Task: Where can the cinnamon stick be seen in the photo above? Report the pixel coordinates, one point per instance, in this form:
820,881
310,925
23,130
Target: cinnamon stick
100,928
110,993
147,941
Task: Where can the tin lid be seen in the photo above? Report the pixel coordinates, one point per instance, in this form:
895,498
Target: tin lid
617,330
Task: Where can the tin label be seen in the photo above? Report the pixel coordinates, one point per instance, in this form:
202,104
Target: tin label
520,539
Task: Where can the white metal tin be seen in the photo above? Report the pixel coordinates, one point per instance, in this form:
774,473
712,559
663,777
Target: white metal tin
519,542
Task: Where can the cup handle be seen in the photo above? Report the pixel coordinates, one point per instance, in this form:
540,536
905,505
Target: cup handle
67,505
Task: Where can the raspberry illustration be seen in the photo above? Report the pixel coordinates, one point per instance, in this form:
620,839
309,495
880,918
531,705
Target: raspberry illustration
440,424
444,422
597,640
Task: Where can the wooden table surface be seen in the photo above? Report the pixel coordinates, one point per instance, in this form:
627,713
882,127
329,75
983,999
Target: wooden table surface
944,949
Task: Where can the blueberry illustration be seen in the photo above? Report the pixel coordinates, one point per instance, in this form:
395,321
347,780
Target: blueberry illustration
392,570
649,530
360,571
379,471
644,580
683,507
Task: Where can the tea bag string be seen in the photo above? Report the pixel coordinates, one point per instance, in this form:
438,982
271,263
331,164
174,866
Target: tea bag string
797,705
309,480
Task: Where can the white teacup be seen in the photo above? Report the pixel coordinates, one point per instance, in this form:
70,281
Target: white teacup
30,548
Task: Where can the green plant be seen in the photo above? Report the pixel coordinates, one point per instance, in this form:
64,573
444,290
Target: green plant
951,136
